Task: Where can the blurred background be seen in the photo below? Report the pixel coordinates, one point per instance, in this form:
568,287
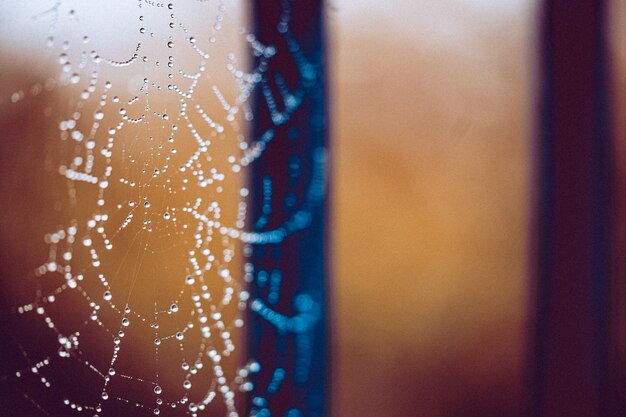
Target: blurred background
433,132
432,121
432,128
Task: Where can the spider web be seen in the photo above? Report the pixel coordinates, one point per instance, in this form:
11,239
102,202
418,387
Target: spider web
138,306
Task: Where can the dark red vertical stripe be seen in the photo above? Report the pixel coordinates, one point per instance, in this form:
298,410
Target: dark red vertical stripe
618,38
569,370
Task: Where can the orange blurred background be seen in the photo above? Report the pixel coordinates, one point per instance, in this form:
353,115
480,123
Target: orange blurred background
431,134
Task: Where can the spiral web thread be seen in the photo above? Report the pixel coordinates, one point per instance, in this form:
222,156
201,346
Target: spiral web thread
140,305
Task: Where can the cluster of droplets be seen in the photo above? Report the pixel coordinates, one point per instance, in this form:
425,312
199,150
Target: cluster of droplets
147,168
122,159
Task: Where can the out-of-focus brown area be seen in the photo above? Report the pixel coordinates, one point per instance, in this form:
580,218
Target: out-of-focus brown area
432,120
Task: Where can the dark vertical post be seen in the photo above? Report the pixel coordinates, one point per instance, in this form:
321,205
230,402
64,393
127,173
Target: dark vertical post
288,262
618,38
569,370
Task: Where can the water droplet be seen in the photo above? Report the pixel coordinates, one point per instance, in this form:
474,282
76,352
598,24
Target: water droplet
157,390
170,44
254,367
173,308
107,295
125,322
